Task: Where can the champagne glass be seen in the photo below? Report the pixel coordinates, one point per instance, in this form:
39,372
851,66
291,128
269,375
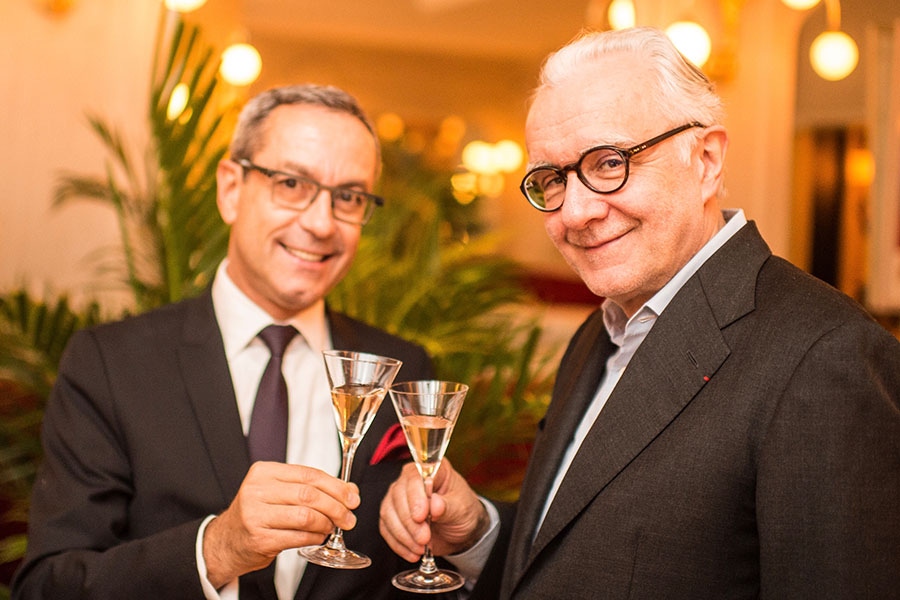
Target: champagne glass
427,410
358,383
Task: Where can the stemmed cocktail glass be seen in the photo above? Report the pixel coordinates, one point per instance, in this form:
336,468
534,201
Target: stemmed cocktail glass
427,410
358,383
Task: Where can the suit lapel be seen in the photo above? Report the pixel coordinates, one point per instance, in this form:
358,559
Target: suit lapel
664,375
574,390
208,382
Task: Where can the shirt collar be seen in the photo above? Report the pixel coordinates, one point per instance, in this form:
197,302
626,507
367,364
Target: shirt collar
614,317
240,319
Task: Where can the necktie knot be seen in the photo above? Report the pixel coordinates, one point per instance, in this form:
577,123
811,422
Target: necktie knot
277,337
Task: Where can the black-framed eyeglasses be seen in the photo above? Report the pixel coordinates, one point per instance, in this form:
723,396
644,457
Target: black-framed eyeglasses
602,169
298,192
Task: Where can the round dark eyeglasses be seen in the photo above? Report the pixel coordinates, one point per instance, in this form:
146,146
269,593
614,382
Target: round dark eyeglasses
602,169
297,192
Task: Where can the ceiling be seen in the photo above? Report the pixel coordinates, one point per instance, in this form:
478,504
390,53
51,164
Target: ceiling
488,28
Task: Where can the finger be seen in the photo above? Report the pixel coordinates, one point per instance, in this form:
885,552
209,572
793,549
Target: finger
345,492
398,537
289,497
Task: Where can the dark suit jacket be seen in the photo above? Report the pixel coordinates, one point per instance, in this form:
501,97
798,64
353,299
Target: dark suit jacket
751,449
142,440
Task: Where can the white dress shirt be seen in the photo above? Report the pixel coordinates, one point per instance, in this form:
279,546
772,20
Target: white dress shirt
311,427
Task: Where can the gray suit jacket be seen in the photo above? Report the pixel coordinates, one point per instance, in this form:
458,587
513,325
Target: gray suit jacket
142,440
750,450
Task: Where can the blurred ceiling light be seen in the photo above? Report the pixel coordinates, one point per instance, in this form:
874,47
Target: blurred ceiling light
621,14
478,157
241,64
178,101
508,156
800,4
390,126
485,166
184,6
488,159
692,40
833,55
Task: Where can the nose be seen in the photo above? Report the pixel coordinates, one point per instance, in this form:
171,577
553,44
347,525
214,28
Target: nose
318,217
581,204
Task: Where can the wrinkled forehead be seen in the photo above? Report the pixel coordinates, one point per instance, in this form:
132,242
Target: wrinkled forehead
608,101
616,84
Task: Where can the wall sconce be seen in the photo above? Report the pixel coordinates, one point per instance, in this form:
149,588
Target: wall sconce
241,64
56,7
833,54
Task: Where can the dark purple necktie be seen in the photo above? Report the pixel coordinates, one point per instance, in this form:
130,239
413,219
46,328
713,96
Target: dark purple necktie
267,439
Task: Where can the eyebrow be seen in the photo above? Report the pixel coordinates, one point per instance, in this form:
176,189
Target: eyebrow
296,169
622,143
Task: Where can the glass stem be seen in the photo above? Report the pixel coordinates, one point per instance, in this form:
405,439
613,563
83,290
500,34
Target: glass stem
336,539
427,565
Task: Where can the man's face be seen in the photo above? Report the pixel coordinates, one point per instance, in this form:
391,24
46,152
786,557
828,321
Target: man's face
286,260
628,244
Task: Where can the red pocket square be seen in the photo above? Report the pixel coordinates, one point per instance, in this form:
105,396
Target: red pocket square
392,446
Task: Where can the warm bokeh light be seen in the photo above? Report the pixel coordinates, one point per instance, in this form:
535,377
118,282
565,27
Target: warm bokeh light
241,64
691,40
859,168
178,101
834,55
621,14
487,159
800,4
390,127
508,156
184,6
478,157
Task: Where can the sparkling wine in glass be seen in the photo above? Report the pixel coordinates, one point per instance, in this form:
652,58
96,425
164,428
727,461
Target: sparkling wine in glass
359,382
427,410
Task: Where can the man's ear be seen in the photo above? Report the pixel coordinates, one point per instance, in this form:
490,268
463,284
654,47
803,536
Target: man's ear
229,178
713,146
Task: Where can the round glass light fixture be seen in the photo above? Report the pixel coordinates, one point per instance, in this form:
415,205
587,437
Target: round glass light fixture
691,40
621,14
799,4
241,64
833,55
184,6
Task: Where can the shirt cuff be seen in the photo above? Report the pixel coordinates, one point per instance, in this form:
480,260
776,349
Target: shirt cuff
471,562
230,590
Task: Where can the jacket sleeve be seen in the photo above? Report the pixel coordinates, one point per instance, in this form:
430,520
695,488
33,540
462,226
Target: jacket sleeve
79,541
829,472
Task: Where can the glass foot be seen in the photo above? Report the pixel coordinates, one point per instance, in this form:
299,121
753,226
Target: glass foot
420,582
336,558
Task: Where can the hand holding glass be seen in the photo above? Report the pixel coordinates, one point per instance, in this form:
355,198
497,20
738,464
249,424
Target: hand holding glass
358,383
427,410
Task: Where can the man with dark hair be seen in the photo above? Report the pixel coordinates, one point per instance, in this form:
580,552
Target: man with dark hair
149,488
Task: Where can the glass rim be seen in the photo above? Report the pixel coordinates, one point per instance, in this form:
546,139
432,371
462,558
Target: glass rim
361,356
439,385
